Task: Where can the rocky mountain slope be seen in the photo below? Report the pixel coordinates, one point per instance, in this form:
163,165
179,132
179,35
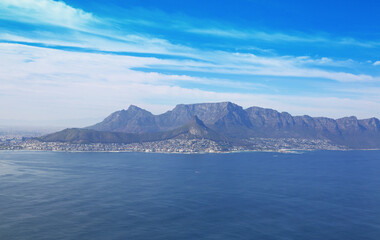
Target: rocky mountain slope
227,121
194,129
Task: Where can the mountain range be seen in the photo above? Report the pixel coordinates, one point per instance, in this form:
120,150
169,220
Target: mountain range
224,121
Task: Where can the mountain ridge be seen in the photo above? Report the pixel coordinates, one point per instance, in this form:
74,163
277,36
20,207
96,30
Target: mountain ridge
226,120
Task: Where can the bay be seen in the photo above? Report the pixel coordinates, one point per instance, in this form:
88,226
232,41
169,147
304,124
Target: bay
253,195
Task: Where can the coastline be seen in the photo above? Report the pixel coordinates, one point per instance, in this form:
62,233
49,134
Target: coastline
283,151
181,146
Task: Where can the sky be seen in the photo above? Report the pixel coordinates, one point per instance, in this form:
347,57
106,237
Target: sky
72,63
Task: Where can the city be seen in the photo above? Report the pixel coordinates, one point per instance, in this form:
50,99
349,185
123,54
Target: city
173,145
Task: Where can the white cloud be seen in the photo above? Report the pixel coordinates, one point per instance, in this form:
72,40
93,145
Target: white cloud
47,84
45,12
216,61
376,63
54,12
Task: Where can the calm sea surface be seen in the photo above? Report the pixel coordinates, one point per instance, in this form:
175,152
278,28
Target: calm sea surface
315,195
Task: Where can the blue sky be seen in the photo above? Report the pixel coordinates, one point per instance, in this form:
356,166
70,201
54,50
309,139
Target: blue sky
73,62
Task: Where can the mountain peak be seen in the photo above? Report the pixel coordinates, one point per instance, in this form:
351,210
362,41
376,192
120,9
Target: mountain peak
134,108
132,120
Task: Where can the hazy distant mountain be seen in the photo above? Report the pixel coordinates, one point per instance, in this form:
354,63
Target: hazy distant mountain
222,121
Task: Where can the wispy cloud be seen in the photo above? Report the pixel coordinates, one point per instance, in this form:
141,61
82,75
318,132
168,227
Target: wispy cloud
48,12
51,84
58,13
296,37
287,66
215,61
95,37
212,28
253,34
95,64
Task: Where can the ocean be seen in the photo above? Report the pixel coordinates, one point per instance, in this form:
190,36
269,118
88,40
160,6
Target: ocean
255,195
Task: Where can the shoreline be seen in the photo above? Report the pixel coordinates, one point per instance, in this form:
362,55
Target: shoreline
284,151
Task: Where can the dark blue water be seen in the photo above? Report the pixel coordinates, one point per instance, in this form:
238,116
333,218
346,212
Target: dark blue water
315,195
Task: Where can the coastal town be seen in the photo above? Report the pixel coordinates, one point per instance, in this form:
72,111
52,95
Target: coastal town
171,145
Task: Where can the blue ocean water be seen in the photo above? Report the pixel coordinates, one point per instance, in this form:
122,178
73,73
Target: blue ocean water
314,195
